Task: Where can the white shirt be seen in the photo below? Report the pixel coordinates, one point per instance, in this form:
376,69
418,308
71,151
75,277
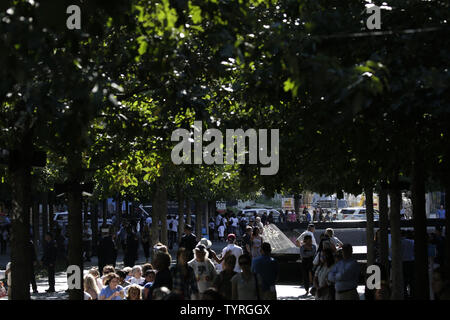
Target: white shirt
221,230
236,251
134,280
174,225
218,219
300,239
205,272
234,222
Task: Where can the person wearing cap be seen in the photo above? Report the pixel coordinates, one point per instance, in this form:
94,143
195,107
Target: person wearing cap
310,232
204,269
188,241
233,249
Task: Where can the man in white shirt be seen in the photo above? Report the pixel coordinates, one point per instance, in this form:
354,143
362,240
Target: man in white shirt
204,269
233,249
234,224
172,226
149,221
310,232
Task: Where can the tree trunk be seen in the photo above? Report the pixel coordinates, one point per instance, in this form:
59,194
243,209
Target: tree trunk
198,219
163,214
206,217
188,211
421,282
94,226
370,227
396,254
20,168
447,224
180,196
384,226
155,218
35,217
44,215
118,211
86,211
51,211
75,200
104,211
297,205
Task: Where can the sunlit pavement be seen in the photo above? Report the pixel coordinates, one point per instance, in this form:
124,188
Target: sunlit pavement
296,292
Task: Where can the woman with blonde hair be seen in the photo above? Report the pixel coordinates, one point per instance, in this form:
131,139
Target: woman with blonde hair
96,274
134,292
90,286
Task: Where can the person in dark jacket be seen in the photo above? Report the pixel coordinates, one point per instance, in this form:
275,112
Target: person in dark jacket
106,252
131,253
163,278
188,241
49,260
32,254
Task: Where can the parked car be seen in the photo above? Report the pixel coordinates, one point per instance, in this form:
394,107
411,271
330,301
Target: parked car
62,218
260,211
355,213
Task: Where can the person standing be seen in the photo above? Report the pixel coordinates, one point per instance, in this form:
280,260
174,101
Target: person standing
204,269
323,289
173,227
247,240
145,239
345,275
183,277
264,218
32,254
256,242
267,268
3,240
106,252
188,241
221,231
234,224
233,249
307,253
407,250
212,228
131,253
49,260
222,282
309,232
87,239
163,278
246,285
441,212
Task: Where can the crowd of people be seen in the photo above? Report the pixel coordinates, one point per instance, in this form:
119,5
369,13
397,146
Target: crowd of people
199,272
243,270
330,272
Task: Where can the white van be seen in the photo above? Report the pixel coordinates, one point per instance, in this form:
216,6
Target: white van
356,213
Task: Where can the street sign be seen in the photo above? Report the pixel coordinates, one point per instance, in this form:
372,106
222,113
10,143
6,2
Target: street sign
287,203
